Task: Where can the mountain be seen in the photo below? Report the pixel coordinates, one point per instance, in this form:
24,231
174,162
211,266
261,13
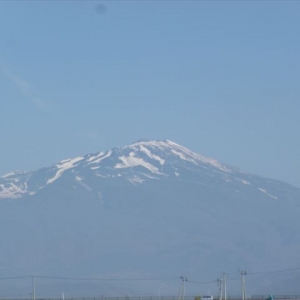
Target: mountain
150,210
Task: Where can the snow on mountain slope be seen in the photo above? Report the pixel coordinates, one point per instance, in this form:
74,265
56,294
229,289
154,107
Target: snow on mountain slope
14,185
135,164
63,166
154,208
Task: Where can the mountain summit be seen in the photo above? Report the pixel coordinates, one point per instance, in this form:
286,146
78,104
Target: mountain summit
137,163
152,209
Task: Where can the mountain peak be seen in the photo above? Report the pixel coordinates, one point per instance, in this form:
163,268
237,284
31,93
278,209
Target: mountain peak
137,163
141,161
169,148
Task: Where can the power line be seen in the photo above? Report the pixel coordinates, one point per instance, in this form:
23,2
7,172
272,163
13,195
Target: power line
275,271
107,1
202,282
17,277
106,279
144,279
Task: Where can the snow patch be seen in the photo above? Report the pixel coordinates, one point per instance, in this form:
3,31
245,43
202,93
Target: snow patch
9,175
12,191
243,181
182,156
63,166
266,192
151,155
101,157
12,174
199,157
132,161
100,175
87,187
136,179
91,158
149,176
182,152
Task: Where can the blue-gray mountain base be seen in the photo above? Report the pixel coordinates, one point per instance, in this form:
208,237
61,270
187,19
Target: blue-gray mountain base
150,210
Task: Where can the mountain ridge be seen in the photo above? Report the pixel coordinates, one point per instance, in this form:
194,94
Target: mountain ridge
18,191
154,208
152,158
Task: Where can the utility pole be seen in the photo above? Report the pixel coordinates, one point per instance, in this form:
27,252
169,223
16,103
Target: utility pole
224,285
243,284
220,285
33,287
181,295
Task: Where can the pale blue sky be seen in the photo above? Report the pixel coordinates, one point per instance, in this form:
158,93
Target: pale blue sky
219,77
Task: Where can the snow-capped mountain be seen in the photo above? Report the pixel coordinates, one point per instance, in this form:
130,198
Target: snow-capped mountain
141,161
136,164
151,209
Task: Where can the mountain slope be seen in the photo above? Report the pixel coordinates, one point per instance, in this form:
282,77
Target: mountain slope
136,164
151,209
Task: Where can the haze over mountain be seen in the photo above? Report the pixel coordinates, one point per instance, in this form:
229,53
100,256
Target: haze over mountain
153,209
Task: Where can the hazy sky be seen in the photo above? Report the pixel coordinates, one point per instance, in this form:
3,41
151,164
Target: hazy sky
219,77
